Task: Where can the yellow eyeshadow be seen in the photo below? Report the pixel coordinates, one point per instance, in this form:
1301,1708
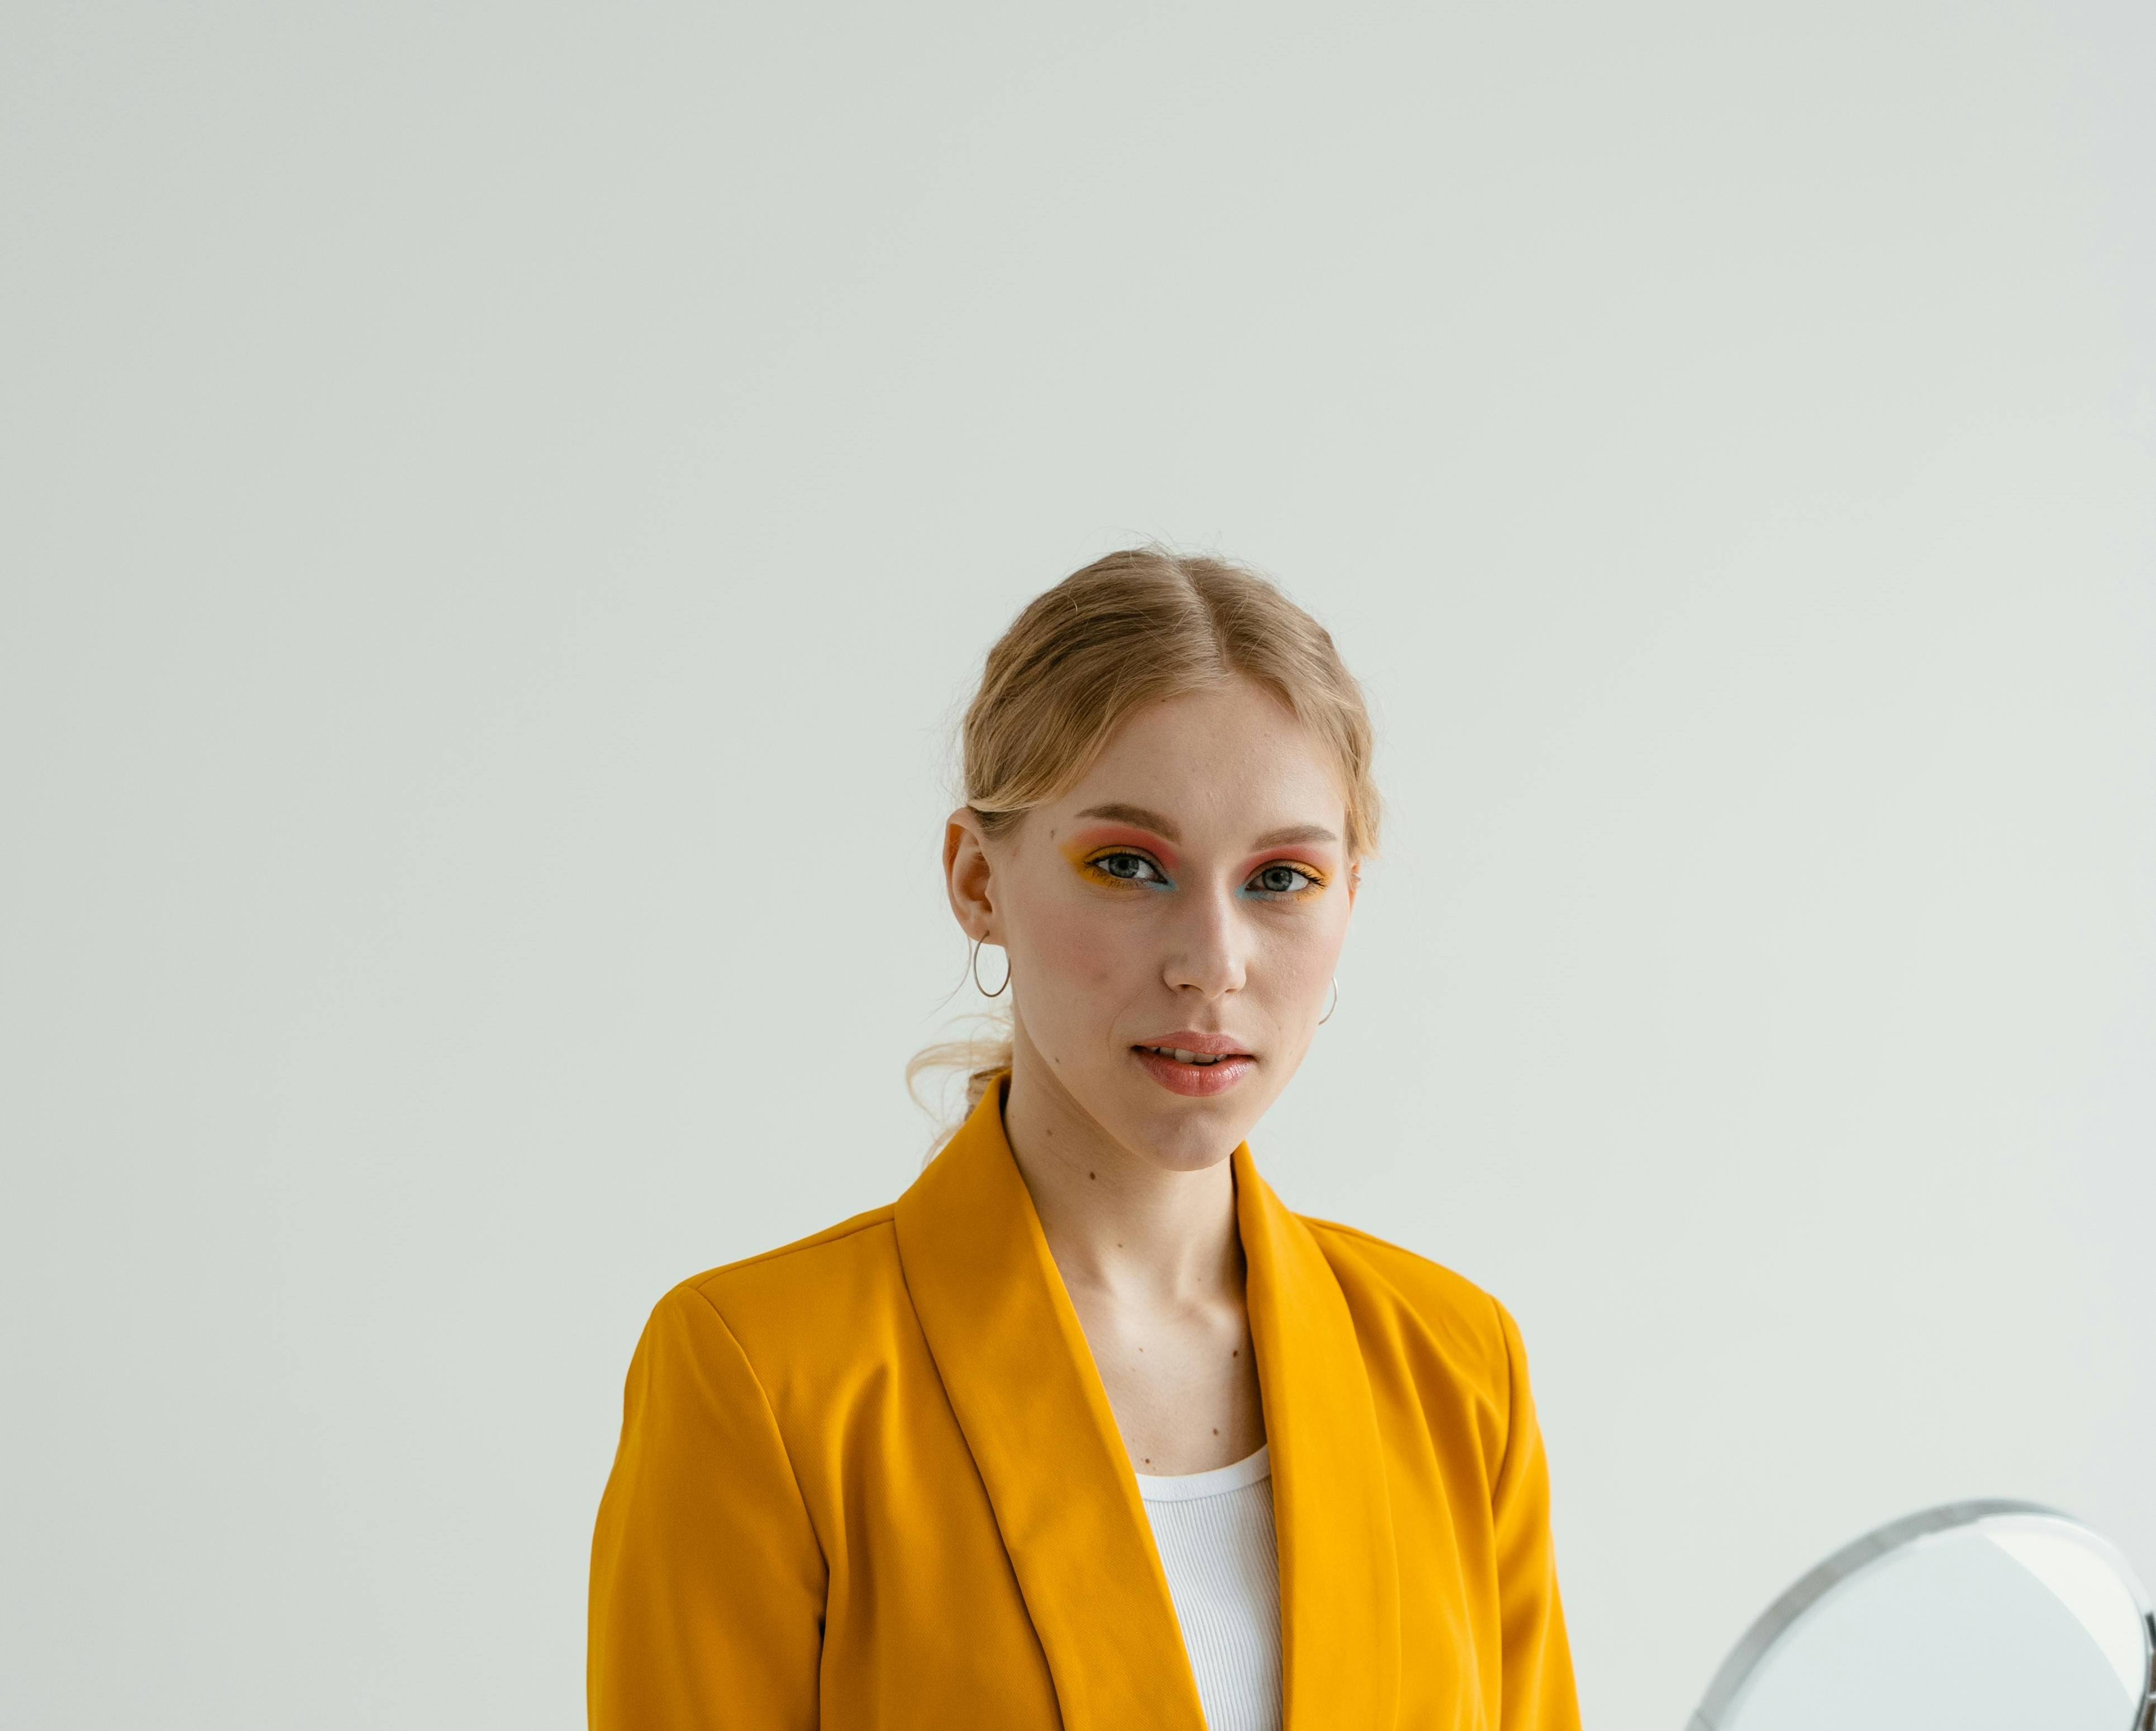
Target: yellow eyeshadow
1090,865
1318,882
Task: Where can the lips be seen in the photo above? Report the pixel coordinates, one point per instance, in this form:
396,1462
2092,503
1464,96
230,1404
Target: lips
1193,1064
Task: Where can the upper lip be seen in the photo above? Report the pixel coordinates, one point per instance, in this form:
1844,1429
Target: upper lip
1204,1045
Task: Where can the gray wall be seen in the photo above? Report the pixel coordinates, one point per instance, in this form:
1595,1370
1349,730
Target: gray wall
500,504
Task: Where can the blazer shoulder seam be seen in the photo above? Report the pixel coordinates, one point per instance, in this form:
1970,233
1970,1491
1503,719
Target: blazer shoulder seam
1499,1348
1346,1230
771,1413
838,1234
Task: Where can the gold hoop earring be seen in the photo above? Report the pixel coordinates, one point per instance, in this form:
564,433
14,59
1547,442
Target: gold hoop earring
1333,1005
973,967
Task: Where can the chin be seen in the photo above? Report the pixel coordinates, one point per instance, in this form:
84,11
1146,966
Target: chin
1189,1140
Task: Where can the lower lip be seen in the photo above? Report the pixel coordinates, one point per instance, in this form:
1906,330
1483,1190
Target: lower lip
1196,1080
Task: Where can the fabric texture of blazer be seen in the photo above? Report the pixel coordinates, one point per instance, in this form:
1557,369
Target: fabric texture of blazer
871,1480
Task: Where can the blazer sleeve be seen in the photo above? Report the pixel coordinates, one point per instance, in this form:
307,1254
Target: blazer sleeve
708,1584
1539,1692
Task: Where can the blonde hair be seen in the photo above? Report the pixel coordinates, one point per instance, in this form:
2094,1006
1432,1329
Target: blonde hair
1134,629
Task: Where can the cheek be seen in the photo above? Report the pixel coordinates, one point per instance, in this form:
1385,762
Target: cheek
1082,963
1303,957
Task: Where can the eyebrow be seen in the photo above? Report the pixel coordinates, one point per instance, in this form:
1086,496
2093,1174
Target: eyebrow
1294,832
1141,818
1138,817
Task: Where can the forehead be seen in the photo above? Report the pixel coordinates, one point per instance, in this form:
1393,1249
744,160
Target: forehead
1227,764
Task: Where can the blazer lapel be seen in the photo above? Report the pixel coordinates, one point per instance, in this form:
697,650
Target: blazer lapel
1339,1598
1020,1378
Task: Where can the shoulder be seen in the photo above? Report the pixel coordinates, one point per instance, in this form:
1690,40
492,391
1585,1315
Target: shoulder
1406,1295
776,1334
811,1297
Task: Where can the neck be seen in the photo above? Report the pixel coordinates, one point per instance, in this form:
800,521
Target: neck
1115,1220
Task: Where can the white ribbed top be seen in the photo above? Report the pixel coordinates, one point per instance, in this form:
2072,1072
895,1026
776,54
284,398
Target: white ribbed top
1215,1534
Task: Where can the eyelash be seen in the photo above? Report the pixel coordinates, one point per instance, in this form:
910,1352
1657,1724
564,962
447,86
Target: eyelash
1311,880
1097,867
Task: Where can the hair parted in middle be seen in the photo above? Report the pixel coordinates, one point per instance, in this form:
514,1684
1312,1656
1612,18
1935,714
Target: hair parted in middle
1134,629
1137,627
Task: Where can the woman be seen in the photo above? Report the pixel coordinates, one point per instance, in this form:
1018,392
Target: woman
1087,1429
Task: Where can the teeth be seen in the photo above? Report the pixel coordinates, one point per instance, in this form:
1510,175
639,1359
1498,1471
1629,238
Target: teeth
1202,1060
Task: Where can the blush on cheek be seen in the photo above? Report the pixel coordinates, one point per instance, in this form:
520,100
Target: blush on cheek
1080,972
1076,954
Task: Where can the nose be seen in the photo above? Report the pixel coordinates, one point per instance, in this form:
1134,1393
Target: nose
1208,955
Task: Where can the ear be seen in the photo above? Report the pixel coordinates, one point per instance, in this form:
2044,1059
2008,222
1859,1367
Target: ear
969,875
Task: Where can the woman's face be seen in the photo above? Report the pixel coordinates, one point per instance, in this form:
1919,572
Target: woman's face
1172,923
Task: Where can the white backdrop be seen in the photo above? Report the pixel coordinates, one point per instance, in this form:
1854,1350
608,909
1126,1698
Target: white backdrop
500,503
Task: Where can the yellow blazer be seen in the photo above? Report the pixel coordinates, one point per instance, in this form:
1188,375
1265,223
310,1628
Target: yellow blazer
872,1480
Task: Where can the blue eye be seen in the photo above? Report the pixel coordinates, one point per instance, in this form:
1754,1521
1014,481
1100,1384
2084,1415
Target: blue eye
1282,880
1127,868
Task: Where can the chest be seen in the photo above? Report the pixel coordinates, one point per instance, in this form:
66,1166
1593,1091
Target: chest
1182,1380
931,1614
